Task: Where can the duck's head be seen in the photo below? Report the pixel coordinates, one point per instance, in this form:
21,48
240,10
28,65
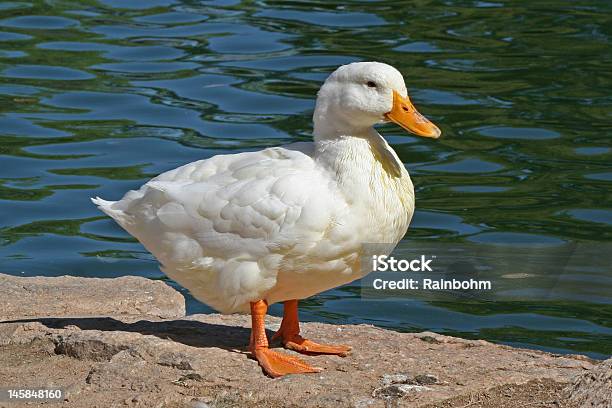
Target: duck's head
357,96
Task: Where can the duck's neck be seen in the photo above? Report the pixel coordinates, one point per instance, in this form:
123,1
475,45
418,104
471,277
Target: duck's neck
328,130
345,141
372,179
331,122
361,153
341,147
369,174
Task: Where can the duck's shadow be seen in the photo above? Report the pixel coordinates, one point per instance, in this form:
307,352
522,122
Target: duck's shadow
190,332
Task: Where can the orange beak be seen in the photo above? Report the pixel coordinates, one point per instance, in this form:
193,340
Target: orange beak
405,114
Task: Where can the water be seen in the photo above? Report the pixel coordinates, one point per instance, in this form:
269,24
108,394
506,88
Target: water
96,97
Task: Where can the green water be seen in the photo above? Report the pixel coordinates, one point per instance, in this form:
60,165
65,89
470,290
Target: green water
95,98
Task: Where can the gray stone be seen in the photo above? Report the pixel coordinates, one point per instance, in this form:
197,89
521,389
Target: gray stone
425,379
398,390
593,389
407,388
389,379
24,297
199,404
91,349
176,360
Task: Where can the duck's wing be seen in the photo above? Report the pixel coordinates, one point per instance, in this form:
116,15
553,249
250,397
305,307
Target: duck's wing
241,207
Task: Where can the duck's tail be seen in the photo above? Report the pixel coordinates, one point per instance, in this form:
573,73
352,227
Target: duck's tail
107,207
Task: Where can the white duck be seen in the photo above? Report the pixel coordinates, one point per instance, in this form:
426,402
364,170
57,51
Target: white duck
246,230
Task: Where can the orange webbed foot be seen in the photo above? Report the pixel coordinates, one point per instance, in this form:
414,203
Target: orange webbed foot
277,364
297,343
274,364
289,334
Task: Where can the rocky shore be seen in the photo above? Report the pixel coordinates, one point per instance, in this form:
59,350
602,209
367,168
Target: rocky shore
126,342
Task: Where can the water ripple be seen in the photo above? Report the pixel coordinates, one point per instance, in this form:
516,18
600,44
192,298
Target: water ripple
39,22
47,72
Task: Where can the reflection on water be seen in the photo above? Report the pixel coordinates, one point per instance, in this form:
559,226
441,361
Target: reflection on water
98,96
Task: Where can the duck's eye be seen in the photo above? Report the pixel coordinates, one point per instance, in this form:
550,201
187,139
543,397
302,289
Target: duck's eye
371,84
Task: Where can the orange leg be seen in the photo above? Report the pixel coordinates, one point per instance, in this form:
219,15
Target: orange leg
289,333
274,364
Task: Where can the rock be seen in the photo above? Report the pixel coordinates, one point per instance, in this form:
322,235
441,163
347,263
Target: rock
145,361
425,379
86,347
400,385
421,379
407,388
430,339
191,376
199,404
23,297
389,379
398,390
176,360
593,388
